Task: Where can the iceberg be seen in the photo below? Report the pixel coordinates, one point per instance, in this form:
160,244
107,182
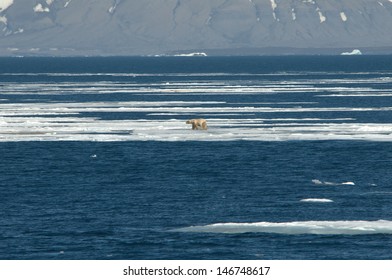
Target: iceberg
353,52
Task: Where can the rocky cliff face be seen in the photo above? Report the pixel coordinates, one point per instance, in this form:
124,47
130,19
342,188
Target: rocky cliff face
154,27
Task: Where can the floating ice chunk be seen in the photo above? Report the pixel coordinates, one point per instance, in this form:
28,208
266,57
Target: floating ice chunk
321,16
112,9
274,6
321,200
298,227
353,52
349,183
40,9
343,16
318,182
67,3
192,54
5,4
293,14
3,19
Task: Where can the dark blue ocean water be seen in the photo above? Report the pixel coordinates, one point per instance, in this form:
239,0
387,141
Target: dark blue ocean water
73,187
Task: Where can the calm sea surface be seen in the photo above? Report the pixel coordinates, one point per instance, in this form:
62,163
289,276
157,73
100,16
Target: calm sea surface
96,161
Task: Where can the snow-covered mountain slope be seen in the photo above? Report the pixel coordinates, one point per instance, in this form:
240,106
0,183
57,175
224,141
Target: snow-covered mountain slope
150,27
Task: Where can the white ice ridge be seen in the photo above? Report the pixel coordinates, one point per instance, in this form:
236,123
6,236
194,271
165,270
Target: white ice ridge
298,227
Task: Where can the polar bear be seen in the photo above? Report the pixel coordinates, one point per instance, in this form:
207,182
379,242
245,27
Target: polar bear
198,123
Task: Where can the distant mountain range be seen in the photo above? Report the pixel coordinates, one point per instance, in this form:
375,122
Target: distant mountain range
214,27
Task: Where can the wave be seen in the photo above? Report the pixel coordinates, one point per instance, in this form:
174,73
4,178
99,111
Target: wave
297,227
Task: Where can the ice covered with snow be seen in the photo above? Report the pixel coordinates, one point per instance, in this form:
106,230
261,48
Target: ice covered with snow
44,121
357,227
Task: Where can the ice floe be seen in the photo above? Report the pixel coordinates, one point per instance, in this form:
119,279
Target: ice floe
357,227
5,4
319,182
228,118
192,54
343,16
317,200
41,9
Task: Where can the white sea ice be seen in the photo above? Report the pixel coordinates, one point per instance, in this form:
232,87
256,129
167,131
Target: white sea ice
5,4
356,227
